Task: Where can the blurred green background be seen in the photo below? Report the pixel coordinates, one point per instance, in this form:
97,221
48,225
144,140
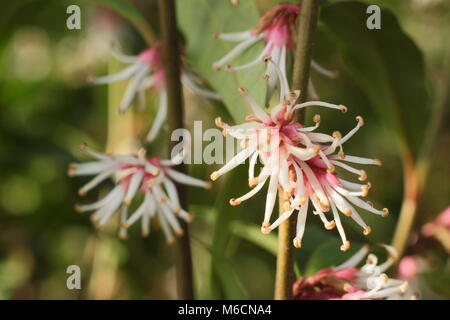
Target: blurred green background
47,110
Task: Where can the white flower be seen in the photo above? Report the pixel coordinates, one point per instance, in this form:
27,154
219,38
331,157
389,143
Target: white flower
146,71
300,163
349,282
133,173
277,28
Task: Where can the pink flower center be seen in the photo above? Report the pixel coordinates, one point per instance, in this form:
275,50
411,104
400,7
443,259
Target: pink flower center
329,284
407,268
135,168
151,56
444,218
279,35
279,23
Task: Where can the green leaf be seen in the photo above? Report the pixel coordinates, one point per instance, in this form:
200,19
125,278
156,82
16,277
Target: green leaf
125,9
199,20
252,233
328,255
386,64
225,282
133,16
224,215
232,286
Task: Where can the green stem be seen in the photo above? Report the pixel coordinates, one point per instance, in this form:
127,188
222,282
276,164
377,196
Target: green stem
172,66
284,277
306,31
416,172
121,133
409,204
303,52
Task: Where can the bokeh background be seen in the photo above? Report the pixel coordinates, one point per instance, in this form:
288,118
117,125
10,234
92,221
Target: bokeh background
47,109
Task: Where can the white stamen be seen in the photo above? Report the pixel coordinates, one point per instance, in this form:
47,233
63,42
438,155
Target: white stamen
136,214
257,110
171,218
272,191
315,184
237,50
283,176
344,206
146,83
351,185
122,75
301,221
190,84
322,70
284,86
326,161
359,160
94,154
354,260
145,223
354,130
100,203
377,294
160,117
251,167
185,179
111,208
234,36
97,180
321,104
361,173
320,137
165,227
272,82
121,56
312,90
132,88
299,176
340,228
90,168
234,162
362,204
303,154
171,191
253,63
279,221
135,182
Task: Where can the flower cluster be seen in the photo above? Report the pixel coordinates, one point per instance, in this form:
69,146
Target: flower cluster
146,71
300,163
277,29
152,176
348,282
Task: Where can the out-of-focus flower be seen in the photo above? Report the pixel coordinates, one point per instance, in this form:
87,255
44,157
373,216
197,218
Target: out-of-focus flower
443,220
426,4
277,28
439,229
348,282
300,163
408,267
146,71
416,269
133,173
